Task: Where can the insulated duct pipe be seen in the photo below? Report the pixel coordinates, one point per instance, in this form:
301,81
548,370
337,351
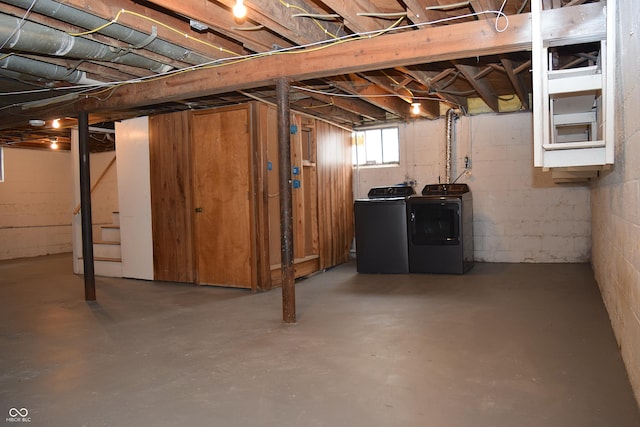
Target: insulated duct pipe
36,38
88,21
37,71
452,115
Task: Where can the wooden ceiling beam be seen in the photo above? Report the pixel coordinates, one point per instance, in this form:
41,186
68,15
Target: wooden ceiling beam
517,82
481,86
360,24
424,11
416,12
431,44
425,78
352,105
427,110
221,20
525,66
328,109
374,95
479,6
385,85
278,18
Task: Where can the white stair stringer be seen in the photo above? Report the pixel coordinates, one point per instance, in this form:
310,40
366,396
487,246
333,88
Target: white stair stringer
107,253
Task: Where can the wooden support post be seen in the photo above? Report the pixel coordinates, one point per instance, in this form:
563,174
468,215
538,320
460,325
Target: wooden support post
85,207
286,204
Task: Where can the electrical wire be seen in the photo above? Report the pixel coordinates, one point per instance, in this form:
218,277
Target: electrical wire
237,58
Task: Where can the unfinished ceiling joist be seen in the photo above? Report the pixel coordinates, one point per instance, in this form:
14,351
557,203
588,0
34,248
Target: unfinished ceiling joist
427,45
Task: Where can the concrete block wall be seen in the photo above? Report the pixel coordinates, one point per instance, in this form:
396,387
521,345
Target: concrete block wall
520,215
615,202
35,203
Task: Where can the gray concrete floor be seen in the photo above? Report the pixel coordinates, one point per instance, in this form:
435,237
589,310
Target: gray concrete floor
504,345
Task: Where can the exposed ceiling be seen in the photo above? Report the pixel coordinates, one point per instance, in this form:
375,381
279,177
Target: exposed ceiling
356,63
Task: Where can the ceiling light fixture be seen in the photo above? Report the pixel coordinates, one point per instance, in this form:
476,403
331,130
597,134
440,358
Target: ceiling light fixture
36,122
239,10
55,124
54,143
415,108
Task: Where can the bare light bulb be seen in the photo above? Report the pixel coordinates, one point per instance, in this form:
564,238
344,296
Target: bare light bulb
54,145
55,124
415,108
239,10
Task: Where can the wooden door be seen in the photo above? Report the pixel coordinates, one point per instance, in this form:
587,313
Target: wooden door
171,206
222,182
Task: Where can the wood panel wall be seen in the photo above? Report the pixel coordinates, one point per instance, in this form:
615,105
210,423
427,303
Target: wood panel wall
170,169
172,181
335,193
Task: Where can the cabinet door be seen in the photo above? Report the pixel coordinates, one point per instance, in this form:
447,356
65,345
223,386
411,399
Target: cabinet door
223,225
304,195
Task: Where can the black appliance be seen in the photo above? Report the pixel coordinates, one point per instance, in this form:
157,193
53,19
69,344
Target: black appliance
381,230
440,229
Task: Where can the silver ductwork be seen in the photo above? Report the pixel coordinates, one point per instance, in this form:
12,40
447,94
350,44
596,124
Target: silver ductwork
88,21
33,70
36,38
452,115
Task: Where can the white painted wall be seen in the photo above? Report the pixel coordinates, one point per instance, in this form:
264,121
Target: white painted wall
35,203
616,202
520,215
132,150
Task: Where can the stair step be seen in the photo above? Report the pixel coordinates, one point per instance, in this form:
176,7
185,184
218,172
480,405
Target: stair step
104,249
110,233
104,266
106,259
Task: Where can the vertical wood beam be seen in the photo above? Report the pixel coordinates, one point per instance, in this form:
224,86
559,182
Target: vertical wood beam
286,203
85,207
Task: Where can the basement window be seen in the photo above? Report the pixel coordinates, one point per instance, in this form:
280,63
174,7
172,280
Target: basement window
376,147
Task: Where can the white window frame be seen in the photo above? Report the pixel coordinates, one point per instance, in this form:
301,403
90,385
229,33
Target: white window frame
359,139
1,164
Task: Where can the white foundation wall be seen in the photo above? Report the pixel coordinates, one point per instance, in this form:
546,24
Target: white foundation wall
520,215
616,202
35,203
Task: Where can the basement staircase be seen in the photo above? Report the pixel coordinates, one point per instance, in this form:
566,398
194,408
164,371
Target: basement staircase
107,258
